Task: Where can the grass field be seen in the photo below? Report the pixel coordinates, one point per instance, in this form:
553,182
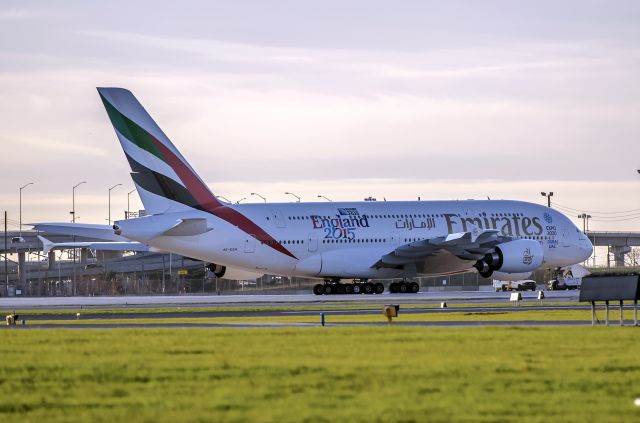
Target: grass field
365,374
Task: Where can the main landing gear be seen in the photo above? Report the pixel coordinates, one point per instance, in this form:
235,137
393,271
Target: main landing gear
331,287
404,287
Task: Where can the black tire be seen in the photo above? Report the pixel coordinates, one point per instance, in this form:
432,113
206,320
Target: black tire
403,288
368,288
348,289
414,287
329,290
393,288
318,289
340,288
378,288
357,288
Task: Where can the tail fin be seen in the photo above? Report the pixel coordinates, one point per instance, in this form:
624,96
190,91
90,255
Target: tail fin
163,178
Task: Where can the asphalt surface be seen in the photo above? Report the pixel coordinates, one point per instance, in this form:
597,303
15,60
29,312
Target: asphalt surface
470,302
167,301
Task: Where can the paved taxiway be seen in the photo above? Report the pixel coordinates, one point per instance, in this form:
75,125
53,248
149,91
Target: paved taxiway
266,300
471,302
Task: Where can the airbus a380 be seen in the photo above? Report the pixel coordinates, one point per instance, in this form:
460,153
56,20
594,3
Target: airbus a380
354,241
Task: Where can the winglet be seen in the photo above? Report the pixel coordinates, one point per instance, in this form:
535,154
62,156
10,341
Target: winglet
46,245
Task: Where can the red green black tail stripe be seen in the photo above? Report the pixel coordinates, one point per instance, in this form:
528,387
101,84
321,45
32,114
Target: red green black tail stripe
196,194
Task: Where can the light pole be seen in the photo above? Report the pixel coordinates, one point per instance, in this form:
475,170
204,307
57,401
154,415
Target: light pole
322,196
240,200
116,185
585,221
297,197
73,219
73,201
263,199
128,195
544,194
21,188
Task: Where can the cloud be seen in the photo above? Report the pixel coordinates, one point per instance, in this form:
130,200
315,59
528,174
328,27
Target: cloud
15,14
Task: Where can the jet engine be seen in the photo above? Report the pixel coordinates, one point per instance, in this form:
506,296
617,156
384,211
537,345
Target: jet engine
233,273
519,256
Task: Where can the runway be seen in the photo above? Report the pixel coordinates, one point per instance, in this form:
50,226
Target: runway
265,300
293,311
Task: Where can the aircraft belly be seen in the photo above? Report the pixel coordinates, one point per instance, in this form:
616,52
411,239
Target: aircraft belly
443,262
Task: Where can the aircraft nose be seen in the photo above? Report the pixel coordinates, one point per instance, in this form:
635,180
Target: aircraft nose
586,248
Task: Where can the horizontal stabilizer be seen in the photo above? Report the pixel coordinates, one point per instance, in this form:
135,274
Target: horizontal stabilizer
102,246
86,230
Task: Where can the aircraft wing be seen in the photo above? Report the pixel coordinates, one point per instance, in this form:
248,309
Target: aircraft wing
472,245
104,232
106,246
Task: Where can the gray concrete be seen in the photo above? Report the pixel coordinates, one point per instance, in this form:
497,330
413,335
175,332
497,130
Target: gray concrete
214,300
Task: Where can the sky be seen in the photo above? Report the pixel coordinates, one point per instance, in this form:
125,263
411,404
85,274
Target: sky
346,99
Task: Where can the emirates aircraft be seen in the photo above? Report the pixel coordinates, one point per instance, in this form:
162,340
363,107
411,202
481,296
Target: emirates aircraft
359,242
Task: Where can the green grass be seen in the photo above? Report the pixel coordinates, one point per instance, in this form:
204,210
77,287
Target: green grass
354,374
324,307
437,316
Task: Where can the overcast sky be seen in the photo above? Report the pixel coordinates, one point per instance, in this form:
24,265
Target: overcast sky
394,99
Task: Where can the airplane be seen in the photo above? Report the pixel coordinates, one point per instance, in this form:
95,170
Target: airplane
333,241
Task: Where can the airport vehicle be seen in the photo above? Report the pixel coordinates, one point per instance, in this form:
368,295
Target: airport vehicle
520,285
330,241
562,283
568,278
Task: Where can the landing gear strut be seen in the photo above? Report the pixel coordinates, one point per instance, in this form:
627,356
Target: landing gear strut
404,287
333,286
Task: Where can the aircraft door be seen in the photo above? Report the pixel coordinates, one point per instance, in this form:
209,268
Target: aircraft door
312,240
249,244
278,218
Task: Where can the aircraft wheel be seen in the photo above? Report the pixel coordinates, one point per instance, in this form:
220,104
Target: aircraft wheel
318,289
329,290
348,289
368,288
393,288
340,289
379,288
357,288
403,288
414,287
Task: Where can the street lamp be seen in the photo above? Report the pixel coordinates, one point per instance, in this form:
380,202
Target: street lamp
116,185
73,219
263,199
544,194
585,221
128,194
240,200
21,188
73,201
322,196
290,193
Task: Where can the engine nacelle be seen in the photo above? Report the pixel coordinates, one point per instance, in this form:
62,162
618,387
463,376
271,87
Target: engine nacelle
519,256
233,273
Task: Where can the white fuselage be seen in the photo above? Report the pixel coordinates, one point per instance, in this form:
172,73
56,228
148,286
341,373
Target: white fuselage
345,240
